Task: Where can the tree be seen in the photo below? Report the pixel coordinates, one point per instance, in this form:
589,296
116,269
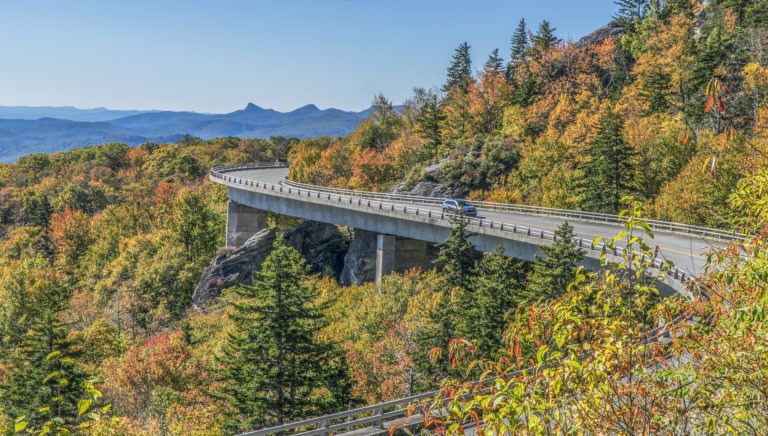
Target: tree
429,117
498,286
37,349
608,169
552,273
494,63
460,70
545,37
458,254
631,13
274,368
517,51
196,225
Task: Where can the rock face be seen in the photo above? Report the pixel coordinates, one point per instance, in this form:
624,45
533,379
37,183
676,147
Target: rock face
233,267
360,261
432,189
596,37
323,245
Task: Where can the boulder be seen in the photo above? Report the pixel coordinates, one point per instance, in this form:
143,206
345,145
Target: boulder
437,190
321,244
233,267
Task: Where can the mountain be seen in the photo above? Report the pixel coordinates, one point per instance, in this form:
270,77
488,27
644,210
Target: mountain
64,113
23,132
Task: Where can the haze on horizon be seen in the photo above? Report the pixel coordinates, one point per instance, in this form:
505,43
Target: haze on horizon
215,57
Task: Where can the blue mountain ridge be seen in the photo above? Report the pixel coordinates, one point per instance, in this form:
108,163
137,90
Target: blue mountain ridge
26,134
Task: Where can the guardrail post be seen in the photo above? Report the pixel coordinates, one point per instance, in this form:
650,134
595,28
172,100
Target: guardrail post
529,231
378,423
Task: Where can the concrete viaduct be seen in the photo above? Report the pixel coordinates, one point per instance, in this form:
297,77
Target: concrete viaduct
406,223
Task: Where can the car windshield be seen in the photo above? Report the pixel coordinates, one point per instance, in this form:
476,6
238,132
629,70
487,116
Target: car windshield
463,203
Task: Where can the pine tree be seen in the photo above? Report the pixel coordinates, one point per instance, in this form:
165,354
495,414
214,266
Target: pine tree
552,273
458,254
494,63
631,13
545,37
608,170
460,70
274,368
518,49
497,288
37,351
429,119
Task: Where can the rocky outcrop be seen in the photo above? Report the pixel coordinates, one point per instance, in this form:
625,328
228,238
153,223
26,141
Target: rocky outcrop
321,244
437,190
599,35
233,267
360,261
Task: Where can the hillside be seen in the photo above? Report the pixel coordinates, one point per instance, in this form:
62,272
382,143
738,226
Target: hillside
121,309
48,130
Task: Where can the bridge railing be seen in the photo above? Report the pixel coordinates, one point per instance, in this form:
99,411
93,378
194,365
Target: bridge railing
534,210
660,225
353,198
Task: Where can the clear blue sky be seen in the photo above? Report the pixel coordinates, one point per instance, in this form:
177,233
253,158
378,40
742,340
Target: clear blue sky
216,56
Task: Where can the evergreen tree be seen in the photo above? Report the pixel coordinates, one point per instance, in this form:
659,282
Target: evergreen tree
518,49
460,70
631,13
458,254
274,368
608,170
498,287
429,117
494,63
545,37
552,273
37,352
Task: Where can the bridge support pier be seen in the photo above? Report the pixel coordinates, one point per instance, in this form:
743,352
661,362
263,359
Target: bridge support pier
398,254
242,223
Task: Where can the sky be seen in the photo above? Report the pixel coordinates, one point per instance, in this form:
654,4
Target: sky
216,56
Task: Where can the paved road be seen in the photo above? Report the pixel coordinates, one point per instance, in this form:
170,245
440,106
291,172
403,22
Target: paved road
686,251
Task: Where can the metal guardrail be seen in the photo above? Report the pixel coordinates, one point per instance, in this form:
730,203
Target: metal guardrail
708,232
370,201
374,415
689,229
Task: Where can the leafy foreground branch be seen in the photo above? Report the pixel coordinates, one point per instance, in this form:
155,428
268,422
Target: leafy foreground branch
582,366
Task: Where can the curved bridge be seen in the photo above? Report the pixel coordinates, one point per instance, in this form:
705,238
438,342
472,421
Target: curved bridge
405,223
402,219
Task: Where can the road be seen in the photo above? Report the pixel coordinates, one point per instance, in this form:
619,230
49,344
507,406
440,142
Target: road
687,252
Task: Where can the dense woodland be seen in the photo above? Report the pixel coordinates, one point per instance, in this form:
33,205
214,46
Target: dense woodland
664,118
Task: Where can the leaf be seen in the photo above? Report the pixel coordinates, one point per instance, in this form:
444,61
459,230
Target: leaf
709,104
52,355
83,406
20,425
560,340
685,138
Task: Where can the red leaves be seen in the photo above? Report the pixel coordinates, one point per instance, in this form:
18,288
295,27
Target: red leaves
709,104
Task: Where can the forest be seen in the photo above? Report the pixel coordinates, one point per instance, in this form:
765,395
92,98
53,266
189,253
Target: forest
660,115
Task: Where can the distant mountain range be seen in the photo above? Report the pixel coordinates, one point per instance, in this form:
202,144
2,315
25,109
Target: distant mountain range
25,129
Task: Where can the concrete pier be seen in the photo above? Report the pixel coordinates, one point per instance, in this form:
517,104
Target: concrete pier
385,255
242,223
395,254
